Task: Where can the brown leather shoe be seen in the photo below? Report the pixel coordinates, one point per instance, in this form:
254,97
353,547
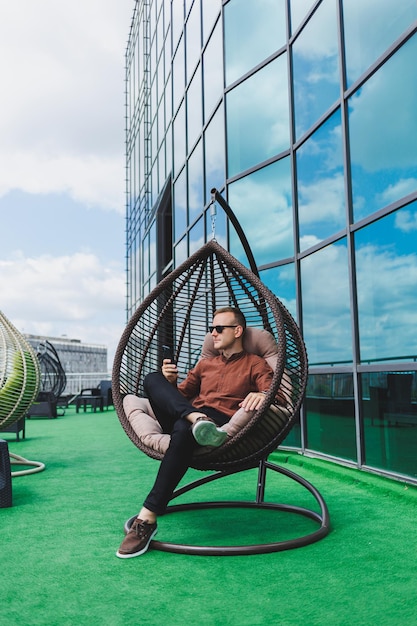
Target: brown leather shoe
137,539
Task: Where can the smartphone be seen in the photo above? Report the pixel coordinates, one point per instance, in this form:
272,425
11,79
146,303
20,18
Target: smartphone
167,353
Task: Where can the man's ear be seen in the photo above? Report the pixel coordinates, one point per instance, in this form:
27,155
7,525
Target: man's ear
238,331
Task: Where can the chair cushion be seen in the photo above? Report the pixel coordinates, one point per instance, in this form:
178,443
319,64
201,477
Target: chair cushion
140,415
142,418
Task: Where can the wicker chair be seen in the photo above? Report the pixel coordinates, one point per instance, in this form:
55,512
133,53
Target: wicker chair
19,374
19,385
176,313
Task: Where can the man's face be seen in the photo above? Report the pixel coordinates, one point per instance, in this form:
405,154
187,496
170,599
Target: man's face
226,339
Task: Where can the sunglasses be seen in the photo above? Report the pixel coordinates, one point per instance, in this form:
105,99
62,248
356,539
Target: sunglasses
220,328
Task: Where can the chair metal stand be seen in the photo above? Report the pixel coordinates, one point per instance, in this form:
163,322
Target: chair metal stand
322,517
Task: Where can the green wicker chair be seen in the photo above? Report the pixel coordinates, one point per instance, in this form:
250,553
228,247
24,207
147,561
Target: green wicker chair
19,382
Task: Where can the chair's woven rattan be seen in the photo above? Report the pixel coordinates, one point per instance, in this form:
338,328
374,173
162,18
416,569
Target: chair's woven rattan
19,374
176,313
53,377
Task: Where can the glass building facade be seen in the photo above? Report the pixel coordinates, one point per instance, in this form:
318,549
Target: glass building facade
304,116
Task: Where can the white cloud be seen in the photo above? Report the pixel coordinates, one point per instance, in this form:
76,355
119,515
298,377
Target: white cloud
62,130
406,221
398,190
323,200
62,122
386,294
382,120
73,295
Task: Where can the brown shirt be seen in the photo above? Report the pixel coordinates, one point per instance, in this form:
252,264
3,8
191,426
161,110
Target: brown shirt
222,383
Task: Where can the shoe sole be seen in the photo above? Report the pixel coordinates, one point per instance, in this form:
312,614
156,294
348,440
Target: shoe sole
142,551
207,434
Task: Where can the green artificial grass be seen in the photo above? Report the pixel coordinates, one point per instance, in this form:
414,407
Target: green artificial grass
58,542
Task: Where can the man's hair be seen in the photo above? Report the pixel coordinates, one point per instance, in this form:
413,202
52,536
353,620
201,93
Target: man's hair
238,315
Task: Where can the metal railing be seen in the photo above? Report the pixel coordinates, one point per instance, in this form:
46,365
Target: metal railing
83,380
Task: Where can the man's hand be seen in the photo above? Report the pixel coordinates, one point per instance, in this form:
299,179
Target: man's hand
253,401
169,370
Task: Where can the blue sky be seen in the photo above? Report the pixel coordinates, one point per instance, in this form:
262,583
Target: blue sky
62,167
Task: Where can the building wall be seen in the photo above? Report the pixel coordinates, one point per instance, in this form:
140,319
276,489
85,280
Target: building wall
303,115
85,365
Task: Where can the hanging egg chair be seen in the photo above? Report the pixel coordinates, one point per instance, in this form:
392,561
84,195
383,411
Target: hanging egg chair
19,384
19,374
177,313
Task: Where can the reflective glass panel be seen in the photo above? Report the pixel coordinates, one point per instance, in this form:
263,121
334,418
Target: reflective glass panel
293,439
152,249
262,203
195,183
145,257
213,72
281,281
196,236
178,72
181,252
386,266
168,101
316,67
210,11
179,139
363,44
253,31
383,131
214,153
258,117
299,10
325,301
330,414
389,408
194,110
177,20
180,205
193,33
320,181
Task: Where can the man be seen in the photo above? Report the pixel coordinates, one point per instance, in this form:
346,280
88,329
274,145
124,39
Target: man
217,387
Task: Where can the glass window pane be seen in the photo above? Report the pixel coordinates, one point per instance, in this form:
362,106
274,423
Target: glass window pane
193,33
386,266
195,183
181,252
213,72
179,139
363,44
281,281
389,407
326,310
330,415
152,249
253,31
178,72
258,117
214,153
383,131
210,12
168,101
316,67
196,236
262,202
321,190
194,109
180,205
299,10
177,20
